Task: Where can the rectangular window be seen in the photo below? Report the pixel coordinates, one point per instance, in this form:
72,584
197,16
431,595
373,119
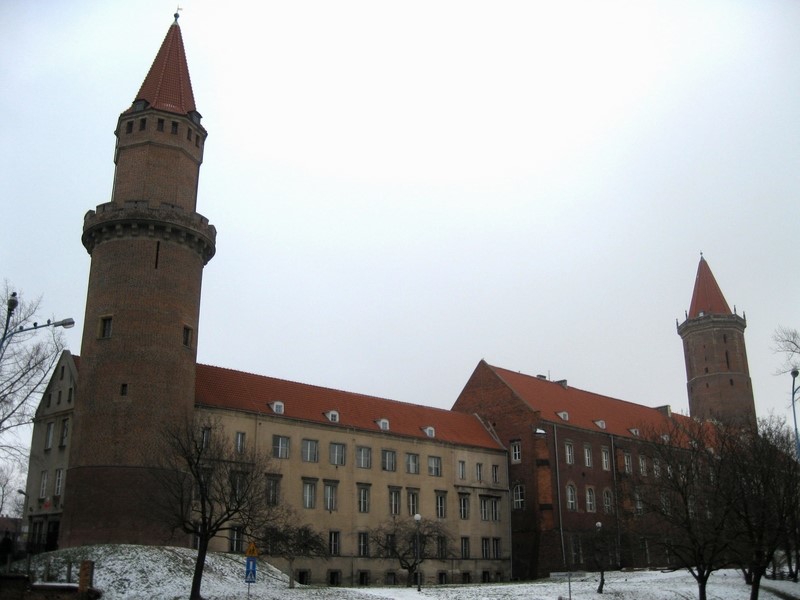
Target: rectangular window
142,124
490,508
187,336
205,438
486,551
462,469
43,485
309,494
364,457
441,505
441,547
587,456
464,547
333,543
516,451
394,501
518,498
105,327
240,441
412,463
174,128
280,446
608,502
363,498
59,482
496,548
435,466
310,451
273,490
237,539
605,457
330,495
657,468
160,125
48,436
363,543
337,453
463,506
413,502
643,466
495,473
569,453
388,460
628,462
479,471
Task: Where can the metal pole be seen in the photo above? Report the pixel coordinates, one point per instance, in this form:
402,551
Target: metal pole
795,372
418,518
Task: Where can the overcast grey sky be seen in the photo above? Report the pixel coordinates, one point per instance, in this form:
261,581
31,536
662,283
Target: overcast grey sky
403,188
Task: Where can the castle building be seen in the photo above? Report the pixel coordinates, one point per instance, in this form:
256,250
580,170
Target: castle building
522,471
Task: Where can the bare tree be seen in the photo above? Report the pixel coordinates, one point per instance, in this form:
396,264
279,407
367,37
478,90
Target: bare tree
28,352
787,342
290,540
209,486
680,503
411,543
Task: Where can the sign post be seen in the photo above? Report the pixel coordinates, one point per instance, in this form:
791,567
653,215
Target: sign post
250,566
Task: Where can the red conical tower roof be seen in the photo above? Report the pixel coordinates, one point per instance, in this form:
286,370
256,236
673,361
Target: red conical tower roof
707,298
167,86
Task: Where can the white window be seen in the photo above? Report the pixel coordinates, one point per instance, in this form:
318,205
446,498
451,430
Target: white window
462,469
383,424
490,508
364,457
64,432
628,462
309,494
590,500
572,498
463,506
394,501
643,465
333,543
43,485
479,472
608,502
388,460
569,453
518,497
280,446
310,451
59,482
237,539
48,436
363,499
205,438
495,473
587,456
273,489
434,466
277,407
441,505
337,453
330,495
464,547
333,416
240,441
656,468
430,431
412,463
413,502
363,543
605,457
485,548
516,451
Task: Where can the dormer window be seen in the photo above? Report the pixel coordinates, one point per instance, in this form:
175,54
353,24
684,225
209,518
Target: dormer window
429,431
600,423
383,424
564,415
634,431
139,105
333,416
277,407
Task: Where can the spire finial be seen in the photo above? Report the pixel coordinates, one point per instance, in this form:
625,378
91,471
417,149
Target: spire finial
177,14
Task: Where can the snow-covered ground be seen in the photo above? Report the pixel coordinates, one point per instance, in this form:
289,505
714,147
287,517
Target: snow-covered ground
144,573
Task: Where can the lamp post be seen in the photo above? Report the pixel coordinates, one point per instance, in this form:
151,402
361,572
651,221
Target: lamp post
11,306
599,550
795,372
417,519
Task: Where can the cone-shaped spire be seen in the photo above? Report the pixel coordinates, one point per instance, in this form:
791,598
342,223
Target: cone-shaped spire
707,298
167,86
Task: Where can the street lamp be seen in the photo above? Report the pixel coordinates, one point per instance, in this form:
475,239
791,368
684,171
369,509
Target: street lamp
11,306
417,519
795,372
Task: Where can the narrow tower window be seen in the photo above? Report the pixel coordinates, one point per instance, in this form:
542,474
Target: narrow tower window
174,128
123,389
160,125
158,251
142,124
105,327
187,336
129,127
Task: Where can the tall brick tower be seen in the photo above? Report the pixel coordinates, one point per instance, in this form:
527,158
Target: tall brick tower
717,375
148,248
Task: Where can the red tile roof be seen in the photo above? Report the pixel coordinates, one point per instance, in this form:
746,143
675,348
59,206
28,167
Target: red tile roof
167,86
584,409
235,390
707,298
